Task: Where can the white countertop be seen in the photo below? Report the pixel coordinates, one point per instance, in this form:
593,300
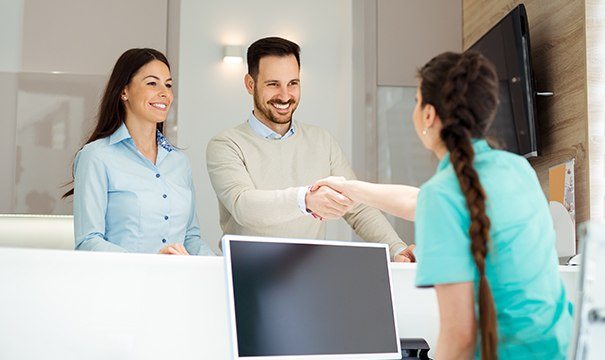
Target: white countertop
58,304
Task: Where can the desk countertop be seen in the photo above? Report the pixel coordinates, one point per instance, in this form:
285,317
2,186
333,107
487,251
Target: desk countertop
75,305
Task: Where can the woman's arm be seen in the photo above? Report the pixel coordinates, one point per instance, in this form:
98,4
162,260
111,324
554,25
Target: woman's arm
398,200
90,203
458,328
193,242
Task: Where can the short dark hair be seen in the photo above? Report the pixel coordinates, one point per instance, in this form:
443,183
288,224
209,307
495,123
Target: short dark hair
270,46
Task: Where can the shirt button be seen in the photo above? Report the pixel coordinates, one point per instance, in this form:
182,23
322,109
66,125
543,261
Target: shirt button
166,217
157,175
164,241
164,196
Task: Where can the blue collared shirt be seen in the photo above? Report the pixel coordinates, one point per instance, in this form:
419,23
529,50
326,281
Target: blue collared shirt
125,203
263,130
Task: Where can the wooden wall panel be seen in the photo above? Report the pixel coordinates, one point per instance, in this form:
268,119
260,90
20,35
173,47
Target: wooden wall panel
558,41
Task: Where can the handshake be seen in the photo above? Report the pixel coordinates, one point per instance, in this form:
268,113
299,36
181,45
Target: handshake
328,199
334,196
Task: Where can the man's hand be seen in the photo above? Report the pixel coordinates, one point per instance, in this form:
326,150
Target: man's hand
327,203
406,255
173,249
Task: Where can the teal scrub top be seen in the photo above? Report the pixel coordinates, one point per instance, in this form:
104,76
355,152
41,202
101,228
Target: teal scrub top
533,312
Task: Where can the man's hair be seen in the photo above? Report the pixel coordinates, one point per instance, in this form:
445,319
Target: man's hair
270,46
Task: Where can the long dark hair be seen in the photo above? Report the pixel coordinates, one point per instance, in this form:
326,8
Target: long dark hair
112,112
463,88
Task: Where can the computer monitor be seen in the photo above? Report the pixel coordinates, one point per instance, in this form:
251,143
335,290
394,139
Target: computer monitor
507,45
309,299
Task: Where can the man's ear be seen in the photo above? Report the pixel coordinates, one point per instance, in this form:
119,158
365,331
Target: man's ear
249,83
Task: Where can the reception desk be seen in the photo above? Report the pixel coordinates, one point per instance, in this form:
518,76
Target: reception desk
57,304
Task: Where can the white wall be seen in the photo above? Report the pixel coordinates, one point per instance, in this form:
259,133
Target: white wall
212,96
88,36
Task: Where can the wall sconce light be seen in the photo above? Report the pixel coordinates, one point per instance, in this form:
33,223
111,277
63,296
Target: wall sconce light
232,54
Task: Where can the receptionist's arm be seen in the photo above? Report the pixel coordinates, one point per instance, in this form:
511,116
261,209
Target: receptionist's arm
457,331
398,200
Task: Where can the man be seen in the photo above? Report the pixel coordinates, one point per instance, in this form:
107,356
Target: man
262,169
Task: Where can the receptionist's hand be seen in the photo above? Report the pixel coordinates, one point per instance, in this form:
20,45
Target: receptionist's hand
173,249
406,255
327,203
337,183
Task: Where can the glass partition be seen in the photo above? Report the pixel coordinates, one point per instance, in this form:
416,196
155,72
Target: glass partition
56,58
402,159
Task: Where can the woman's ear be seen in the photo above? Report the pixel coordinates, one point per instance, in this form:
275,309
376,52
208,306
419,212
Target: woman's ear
124,95
429,115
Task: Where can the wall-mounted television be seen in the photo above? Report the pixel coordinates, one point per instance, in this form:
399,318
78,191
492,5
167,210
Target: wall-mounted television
507,46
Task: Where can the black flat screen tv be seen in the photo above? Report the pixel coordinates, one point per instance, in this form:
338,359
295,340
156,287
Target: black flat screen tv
507,46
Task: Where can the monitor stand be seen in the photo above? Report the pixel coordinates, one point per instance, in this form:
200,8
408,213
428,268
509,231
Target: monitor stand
414,348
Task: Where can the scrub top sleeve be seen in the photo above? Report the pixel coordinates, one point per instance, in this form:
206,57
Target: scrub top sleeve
442,240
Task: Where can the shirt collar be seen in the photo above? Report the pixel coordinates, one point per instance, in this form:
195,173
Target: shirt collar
264,131
479,146
122,134
119,135
163,142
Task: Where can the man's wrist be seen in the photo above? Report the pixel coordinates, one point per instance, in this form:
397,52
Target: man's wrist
398,249
301,199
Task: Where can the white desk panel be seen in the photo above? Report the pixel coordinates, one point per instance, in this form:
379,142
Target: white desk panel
83,305
58,304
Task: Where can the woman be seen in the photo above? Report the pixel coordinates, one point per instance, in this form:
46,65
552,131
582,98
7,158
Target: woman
484,234
133,190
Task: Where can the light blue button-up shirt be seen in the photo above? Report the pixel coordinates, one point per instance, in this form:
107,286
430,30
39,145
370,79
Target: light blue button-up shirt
263,130
125,203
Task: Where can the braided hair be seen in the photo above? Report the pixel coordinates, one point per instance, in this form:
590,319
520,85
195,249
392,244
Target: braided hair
463,88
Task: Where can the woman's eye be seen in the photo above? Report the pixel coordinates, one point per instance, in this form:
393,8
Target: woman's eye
169,85
152,83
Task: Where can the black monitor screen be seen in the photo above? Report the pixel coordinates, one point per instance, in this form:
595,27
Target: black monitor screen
505,132
507,46
311,299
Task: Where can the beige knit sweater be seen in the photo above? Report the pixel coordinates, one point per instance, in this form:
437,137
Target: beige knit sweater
256,181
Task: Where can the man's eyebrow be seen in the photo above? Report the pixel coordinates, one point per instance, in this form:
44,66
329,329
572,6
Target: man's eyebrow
271,81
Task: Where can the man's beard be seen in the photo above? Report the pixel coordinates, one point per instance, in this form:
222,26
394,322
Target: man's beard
265,109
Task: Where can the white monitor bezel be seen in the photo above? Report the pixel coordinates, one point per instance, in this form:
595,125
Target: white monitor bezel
226,239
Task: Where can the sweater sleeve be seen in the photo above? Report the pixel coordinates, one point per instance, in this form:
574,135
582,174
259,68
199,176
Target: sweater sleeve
367,222
234,188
